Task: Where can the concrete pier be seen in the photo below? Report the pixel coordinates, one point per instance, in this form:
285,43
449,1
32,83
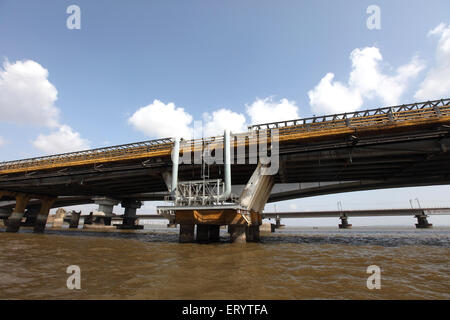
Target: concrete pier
129,219
214,233
252,234
41,219
238,233
99,219
30,220
208,233
422,222
202,233
15,218
186,233
74,220
59,218
344,223
106,206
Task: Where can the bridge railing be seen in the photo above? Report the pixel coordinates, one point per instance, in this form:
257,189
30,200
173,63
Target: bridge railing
99,153
356,118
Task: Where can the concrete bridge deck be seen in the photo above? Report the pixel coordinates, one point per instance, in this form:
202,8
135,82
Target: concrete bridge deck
388,147
380,148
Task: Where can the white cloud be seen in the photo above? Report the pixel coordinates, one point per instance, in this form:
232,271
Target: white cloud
26,95
61,141
2,141
333,97
437,81
160,120
366,81
218,121
266,110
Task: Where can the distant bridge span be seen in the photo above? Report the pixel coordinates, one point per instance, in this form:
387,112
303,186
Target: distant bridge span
357,213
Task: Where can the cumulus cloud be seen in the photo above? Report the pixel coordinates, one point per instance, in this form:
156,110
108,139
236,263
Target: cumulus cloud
215,123
61,141
366,81
437,81
333,97
26,95
160,120
267,110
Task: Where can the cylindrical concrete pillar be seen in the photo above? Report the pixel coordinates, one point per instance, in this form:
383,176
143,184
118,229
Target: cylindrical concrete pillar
74,220
186,233
238,234
214,233
30,220
253,233
202,233
41,221
129,216
422,222
278,222
16,217
344,223
106,206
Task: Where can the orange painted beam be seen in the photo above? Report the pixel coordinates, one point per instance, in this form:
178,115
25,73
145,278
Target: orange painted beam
374,124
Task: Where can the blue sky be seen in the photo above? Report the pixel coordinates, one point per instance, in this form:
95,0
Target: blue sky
204,56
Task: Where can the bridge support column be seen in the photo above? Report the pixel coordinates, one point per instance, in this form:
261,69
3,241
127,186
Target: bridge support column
15,218
106,206
41,219
277,222
202,233
30,220
422,221
58,218
238,233
74,220
129,219
276,225
214,233
252,234
344,223
186,233
171,223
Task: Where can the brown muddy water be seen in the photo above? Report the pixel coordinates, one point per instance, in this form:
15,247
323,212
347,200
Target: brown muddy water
289,264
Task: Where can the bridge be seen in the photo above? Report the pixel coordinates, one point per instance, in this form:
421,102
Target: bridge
388,147
420,213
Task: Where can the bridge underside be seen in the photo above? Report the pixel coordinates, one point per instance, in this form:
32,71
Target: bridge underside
343,164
